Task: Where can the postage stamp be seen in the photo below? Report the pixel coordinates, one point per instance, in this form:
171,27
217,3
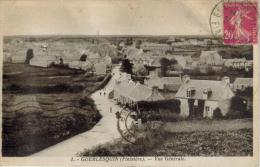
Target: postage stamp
240,23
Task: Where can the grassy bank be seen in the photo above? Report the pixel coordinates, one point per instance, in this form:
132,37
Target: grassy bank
161,143
218,143
42,110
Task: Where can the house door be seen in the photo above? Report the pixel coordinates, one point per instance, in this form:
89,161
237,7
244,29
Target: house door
199,108
196,108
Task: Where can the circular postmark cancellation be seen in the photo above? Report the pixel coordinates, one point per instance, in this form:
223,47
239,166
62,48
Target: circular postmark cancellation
128,125
234,22
131,128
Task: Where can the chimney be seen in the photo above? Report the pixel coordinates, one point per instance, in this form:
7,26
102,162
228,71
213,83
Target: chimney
185,78
206,93
137,83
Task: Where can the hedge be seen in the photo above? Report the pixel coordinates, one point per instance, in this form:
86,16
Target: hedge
161,104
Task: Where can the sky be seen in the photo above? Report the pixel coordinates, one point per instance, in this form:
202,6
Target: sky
106,17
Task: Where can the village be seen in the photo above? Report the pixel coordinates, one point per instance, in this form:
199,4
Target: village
165,79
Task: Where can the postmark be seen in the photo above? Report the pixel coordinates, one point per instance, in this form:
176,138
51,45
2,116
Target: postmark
243,27
127,126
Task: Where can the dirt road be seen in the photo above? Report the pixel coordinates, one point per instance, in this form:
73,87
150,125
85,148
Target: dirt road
104,131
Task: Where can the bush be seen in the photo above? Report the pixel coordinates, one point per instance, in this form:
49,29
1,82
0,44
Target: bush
144,142
86,101
238,108
217,114
104,82
238,104
83,57
13,87
247,92
173,105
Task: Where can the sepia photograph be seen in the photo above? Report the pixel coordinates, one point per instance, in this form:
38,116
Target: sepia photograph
130,95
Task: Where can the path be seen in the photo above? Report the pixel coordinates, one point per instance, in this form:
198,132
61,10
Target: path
104,131
208,125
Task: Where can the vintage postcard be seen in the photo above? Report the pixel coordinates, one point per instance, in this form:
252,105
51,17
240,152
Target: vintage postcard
129,83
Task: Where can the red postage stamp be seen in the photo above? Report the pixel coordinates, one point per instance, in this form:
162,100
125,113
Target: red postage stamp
240,22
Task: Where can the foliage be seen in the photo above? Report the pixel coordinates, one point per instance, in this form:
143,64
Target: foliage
247,92
83,57
238,104
144,142
217,114
161,143
138,44
206,143
126,66
84,101
172,104
104,82
29,56
37,130
129,41
238,108
165,63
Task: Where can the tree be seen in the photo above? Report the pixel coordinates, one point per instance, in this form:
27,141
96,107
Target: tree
129,41
29,56
165,63
83,57
126,66
247,92
138,44
238,107
217,113
164,66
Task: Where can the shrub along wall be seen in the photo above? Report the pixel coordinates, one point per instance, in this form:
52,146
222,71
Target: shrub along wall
239,108
172,104
163,110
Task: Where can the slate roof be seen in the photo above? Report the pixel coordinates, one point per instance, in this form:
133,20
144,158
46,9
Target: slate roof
244,81
135,91
211,58
160,82
220,90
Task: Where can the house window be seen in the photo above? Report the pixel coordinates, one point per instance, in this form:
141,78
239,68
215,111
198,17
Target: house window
188,93
207,108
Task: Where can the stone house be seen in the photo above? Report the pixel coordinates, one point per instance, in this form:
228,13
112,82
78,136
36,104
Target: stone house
128,92
156,47
242,83
241,63
201,98
211,58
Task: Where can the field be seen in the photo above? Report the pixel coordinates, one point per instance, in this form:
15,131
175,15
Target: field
189,142
43,106
219,143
